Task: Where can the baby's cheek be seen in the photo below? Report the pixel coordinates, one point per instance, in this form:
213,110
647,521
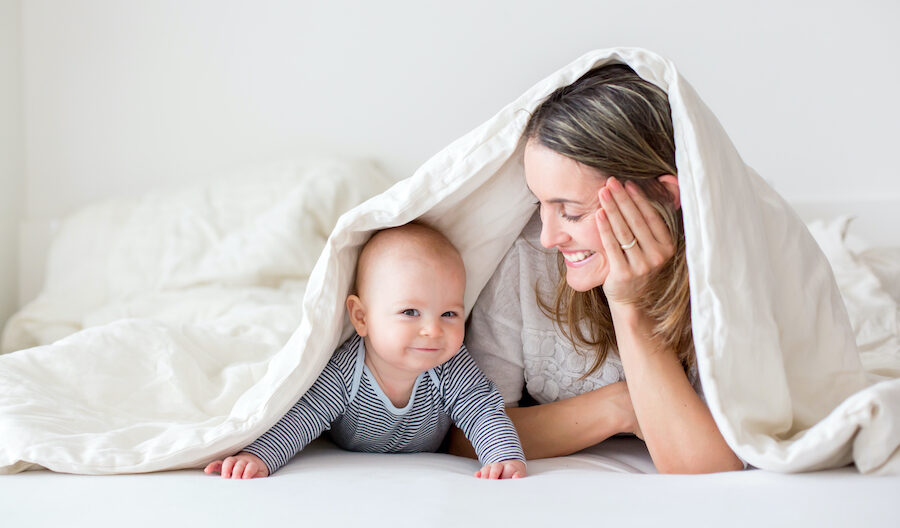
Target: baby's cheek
457,341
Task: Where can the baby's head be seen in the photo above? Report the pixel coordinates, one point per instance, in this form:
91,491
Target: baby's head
408,300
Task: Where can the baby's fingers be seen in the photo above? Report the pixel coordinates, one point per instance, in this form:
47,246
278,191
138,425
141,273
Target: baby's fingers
513,470
227,466
490,471
484,472
251,470
213,467
238,471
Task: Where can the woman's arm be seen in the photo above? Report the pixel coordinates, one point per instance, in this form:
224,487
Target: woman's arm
677,426
566,426
675,423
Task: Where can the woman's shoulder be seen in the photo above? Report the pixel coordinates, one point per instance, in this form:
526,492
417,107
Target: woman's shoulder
528,243
527,263
510,292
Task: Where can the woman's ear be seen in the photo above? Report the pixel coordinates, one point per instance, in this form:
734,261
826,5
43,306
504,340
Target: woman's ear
357,313
670,182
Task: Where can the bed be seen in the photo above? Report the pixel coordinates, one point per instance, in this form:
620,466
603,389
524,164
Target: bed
611,483
614,480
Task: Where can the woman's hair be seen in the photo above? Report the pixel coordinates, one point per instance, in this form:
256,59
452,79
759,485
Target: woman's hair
612,120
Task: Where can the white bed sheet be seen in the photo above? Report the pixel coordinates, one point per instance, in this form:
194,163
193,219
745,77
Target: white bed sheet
325,486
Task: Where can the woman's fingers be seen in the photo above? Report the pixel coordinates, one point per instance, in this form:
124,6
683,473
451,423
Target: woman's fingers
617,221
651,216
611,245
633,216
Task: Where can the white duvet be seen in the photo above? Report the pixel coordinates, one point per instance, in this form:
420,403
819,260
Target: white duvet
149,387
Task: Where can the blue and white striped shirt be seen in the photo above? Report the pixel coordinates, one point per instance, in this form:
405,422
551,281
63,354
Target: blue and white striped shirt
348,402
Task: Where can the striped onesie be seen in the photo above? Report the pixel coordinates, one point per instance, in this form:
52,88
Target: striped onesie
347,401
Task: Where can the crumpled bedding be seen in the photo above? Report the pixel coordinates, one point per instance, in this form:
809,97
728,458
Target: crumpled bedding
163,311
776,350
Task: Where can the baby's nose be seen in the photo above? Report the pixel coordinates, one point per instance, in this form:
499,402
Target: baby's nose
431,328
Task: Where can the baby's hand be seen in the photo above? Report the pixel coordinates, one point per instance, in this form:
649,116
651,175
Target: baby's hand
502,470
240,466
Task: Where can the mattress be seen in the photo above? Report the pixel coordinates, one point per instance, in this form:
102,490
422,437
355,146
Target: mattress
612,483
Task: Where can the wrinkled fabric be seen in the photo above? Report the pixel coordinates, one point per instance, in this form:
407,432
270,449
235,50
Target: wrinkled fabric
775,348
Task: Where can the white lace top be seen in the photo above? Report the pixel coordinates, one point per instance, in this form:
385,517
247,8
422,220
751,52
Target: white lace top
517,345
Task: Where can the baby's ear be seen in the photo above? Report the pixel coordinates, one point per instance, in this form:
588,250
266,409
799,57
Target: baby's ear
357,313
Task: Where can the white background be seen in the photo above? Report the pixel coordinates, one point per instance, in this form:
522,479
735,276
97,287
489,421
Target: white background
102,98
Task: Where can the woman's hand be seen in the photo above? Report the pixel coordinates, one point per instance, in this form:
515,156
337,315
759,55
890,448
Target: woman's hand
635,239
240,466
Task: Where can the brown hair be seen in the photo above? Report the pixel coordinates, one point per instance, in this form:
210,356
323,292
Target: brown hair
612,120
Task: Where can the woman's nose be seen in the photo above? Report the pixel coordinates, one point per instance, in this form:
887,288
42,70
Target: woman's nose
551,235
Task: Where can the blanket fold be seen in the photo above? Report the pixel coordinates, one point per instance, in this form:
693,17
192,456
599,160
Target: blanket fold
775,349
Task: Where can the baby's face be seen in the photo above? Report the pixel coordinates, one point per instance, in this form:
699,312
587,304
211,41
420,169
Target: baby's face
414,310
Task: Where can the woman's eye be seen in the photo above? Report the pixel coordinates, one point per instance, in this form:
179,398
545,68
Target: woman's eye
570,218
410,312
562,213
448,314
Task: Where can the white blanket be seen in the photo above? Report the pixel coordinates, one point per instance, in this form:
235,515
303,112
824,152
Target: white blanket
184,297
776,351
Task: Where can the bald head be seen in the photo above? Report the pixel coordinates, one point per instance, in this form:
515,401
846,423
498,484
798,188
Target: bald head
410,241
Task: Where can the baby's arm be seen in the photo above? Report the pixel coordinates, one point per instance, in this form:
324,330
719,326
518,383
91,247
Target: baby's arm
303,423
476,407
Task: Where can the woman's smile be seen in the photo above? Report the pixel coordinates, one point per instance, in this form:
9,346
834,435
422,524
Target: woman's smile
577,258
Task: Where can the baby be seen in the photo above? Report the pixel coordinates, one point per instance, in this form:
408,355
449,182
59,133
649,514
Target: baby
396,385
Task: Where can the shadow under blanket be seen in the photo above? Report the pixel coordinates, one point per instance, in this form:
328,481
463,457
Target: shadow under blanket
775,350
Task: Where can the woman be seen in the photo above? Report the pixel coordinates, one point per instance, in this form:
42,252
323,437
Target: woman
600,159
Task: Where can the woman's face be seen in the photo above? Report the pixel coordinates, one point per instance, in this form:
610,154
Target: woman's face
567,192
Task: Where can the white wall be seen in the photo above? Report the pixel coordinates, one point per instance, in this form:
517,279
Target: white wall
11,154
121,97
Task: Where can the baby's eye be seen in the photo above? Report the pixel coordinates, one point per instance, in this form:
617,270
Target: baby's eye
449,314
410,312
